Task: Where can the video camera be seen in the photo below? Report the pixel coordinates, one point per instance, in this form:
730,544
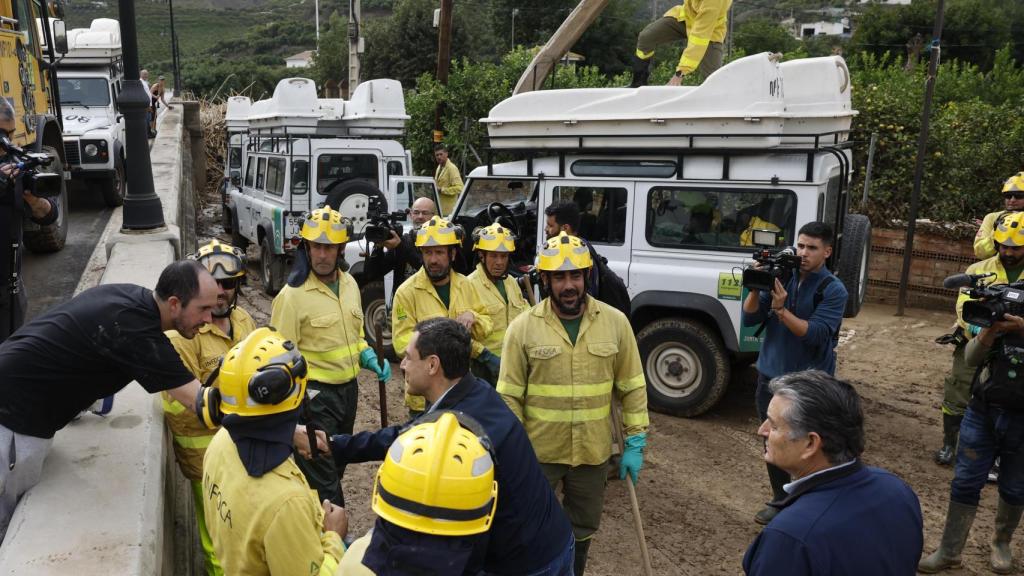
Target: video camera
41,184
381,223
989,302
774,265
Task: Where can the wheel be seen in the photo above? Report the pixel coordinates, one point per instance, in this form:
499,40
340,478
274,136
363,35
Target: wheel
853,262
685,364
352,199
112,189
51,238
374,310
271,268
237,240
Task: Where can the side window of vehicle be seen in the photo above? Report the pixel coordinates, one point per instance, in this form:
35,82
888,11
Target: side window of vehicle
603,211
331,168
250,172
829,211
261,174
235,157
717,219
300,176
275,175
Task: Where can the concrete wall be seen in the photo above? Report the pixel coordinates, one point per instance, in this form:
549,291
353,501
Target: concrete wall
934,258
107,501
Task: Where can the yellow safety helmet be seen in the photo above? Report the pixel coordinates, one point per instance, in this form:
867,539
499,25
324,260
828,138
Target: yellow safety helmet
326,226
438,232
1015,183
564,252
7,116
1010,230
222,260
261,375
438,478
494,238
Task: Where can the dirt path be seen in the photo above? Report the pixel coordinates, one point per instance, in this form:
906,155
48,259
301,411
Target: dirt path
704,478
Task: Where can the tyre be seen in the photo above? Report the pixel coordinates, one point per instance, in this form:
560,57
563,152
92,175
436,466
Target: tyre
685,364
374,309
51,238
352,199
112,188
271,268
237,240
853,262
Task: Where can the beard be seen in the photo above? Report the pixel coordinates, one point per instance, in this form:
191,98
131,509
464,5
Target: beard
440,274
1010,261
568,309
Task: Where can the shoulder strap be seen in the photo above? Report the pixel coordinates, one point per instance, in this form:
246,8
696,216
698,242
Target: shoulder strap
819,292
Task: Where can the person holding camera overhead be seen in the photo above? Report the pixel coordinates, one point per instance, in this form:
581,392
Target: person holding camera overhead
42,211
801,317
399,254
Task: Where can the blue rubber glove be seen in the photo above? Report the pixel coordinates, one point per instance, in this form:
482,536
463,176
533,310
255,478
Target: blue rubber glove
492,362
368,360
633,457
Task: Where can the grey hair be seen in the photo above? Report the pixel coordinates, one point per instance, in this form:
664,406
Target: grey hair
827,406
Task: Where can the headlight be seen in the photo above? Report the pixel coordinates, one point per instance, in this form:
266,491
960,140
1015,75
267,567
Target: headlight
91,149
95,151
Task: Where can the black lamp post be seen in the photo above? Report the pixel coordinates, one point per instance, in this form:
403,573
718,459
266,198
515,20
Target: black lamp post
174,51
142,207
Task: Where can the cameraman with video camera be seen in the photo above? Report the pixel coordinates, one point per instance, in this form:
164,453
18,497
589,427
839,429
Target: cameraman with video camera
800,318
15,201
399,253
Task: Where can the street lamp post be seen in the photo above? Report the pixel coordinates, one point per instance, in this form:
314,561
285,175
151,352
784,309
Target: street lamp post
515,11
174,51
142,207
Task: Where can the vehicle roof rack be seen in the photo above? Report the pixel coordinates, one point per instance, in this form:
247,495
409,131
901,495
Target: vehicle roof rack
97,45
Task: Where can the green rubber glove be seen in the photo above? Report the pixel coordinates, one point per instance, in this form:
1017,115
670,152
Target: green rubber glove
368,360
492,362
633,457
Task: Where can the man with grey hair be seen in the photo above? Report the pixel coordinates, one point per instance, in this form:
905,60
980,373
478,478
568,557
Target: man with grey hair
838,516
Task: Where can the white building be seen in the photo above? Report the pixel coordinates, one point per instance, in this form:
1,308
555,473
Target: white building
300,60
823,28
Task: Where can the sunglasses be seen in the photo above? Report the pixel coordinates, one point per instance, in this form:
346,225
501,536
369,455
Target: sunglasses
1013,195
228,283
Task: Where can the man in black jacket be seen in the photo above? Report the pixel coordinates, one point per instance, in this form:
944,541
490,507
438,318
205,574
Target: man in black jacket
399,254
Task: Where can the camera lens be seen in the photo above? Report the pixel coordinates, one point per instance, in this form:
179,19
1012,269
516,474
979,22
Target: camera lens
91,150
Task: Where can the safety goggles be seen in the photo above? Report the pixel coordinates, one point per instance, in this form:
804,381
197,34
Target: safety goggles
228,264
229,283
1013,195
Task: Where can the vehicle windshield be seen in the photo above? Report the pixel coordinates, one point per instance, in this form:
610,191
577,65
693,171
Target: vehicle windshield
84,91
481,192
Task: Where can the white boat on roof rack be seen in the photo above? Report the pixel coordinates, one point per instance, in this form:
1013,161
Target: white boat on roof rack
376,109
752,102
98,44
236,114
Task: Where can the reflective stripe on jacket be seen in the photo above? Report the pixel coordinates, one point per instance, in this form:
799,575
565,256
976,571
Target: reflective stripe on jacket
563,392
500,312
267,525
327,329
201,355
706,21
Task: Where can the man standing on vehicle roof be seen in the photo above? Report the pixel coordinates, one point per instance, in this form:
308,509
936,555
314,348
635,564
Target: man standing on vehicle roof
1013,198
436,291
561,363
701,23
321,312
448,179
801,327
399,254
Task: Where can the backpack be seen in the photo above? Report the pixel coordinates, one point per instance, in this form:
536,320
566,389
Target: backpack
611,288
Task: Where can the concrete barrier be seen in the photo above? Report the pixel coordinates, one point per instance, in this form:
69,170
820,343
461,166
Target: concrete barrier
107,500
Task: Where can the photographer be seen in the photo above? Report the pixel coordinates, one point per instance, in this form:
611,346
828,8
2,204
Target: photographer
399,254
801,320
15,202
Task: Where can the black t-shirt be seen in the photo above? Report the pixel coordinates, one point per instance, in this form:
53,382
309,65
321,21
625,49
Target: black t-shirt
85,349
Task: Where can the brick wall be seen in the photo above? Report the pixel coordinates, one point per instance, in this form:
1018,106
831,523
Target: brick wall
934,259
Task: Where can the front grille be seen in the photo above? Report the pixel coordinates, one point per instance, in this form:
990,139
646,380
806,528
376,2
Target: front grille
72,154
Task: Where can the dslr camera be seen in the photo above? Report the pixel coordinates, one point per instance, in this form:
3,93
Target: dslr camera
381,223
41,184
779,264
989,302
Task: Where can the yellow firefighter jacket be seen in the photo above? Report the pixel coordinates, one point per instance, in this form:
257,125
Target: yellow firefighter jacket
201,355
563,392
267,525
327,329
500,312
449,184
706,22
984,245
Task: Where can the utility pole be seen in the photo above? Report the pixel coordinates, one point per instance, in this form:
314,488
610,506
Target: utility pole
922,145
444,47
654,10
316,20
728,50
515,12
355,44
175,63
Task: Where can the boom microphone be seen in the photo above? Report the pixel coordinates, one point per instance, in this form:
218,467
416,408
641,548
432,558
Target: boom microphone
964,280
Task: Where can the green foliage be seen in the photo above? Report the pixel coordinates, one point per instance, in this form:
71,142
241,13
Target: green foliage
763,35
331,61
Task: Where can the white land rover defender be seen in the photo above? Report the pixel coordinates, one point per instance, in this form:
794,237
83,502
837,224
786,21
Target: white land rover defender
236,126
672,183
89,77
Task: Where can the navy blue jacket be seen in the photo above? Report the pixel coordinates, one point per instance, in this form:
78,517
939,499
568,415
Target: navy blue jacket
851,521
529,529
782,351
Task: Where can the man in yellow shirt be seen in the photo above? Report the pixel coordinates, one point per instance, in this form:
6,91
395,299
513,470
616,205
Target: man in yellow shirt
1013,198
321,312
438,291
201,355
501,295
262,515
448,179
701,23
561,363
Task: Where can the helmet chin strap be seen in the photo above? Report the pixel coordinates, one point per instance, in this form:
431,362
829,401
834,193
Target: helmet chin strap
231,305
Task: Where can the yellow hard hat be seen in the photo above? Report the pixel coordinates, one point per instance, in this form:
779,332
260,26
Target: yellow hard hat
326,226
222,260
494,238
438,478
438,232
7,116
1015,183
261,375
564,252
1010,230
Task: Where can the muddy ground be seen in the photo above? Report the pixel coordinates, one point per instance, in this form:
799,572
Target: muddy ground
703,478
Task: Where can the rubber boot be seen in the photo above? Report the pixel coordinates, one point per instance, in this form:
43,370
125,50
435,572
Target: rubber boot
579,562
959,518
950,433
641,72
1007,518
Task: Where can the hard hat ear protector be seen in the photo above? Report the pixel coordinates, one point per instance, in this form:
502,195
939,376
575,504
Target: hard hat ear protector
271,384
